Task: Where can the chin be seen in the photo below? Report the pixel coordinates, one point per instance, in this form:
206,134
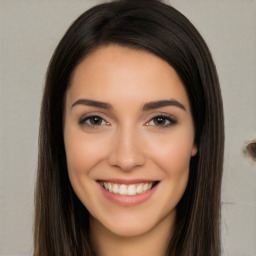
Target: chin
134,230
133,225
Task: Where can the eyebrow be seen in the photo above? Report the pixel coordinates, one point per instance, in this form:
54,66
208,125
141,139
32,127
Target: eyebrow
147,106
163,103
92,103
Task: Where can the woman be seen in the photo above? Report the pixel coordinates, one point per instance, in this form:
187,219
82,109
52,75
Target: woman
131,137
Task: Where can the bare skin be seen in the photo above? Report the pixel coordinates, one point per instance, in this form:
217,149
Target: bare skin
128,125
150,244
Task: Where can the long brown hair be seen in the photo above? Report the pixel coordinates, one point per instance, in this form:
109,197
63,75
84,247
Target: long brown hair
61,220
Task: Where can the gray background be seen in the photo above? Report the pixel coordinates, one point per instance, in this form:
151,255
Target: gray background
29,32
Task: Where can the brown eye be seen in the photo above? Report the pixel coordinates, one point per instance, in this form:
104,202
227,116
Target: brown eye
162,121
93,121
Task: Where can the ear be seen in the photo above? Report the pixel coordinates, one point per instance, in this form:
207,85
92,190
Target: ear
194,150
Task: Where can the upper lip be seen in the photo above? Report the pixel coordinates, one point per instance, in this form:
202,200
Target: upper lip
127,181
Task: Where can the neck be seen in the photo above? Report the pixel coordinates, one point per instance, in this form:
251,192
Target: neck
152,243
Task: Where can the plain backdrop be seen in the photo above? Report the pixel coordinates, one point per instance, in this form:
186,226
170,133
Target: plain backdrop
29,32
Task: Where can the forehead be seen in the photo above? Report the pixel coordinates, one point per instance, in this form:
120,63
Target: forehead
121,72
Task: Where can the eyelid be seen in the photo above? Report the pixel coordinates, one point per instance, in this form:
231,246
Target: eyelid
85,117
172,120
169,117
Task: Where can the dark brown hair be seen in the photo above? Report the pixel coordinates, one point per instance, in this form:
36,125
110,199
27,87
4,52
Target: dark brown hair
61,220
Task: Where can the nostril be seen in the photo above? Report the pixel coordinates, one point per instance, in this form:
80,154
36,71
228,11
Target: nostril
251,150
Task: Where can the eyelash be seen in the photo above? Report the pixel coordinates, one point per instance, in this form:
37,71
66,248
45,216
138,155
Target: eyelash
166,118
84,119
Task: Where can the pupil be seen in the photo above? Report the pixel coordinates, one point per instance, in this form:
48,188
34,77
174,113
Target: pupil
95,120
159,120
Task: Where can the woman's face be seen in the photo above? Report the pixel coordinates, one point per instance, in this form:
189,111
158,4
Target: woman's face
129,137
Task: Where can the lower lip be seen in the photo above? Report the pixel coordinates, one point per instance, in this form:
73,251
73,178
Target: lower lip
128,200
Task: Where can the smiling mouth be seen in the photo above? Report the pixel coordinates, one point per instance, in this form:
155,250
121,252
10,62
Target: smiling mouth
128,190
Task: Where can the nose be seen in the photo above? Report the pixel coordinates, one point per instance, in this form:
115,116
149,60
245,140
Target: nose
127,150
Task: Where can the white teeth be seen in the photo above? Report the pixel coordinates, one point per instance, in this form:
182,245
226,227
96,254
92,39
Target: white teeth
105,185
110,187
145,187
130,190
123,190
115,188
139,189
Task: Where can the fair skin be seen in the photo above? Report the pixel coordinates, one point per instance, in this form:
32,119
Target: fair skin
129,137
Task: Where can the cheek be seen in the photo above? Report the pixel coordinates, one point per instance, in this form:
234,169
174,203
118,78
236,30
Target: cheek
83,151
173,154
174,160
82,155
